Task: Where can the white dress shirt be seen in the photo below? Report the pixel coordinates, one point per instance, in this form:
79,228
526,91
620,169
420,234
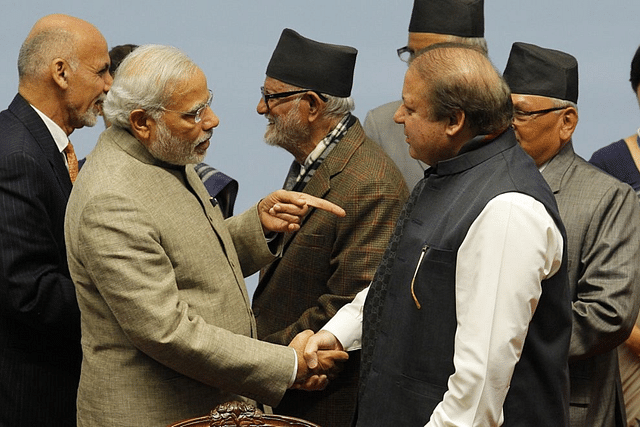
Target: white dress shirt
509,249
59,136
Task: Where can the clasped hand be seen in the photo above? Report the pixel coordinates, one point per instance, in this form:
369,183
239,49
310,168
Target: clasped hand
316,367
282,211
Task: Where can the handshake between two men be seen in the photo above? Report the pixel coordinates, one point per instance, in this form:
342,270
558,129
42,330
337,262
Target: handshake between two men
320,358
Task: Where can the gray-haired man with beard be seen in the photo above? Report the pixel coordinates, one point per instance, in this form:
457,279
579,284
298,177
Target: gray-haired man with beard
63,67
167,328
306,99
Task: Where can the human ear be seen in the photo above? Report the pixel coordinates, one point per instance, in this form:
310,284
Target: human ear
456,123
315,106
60,70
141,125
568,124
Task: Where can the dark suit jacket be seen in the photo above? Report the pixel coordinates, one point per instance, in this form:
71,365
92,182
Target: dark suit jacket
329,260
39,317
602,219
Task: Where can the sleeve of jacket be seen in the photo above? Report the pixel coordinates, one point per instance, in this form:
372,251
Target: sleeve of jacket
123,252
248,238
36,288
607,299
355,244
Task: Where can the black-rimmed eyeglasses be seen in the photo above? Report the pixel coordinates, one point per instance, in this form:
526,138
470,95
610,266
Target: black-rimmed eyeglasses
406,54
267,96
520,114
197,114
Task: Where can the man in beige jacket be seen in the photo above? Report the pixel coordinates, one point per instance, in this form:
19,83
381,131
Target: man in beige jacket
167,327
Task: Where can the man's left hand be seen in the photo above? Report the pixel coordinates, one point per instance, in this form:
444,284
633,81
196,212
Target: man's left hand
282,211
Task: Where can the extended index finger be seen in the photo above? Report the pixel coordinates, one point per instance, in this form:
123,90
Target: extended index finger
323,204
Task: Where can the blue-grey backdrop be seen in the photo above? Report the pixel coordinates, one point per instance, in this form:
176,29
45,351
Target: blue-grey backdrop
232,41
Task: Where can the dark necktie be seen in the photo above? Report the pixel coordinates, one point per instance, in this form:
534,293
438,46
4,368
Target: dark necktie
72,161
372,314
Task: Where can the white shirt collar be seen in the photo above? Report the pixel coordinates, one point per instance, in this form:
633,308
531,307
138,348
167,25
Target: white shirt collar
543,166
59,136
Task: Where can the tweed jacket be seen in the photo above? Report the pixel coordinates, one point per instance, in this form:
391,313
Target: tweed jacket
602,219
39,317
167,328
380,127
329,260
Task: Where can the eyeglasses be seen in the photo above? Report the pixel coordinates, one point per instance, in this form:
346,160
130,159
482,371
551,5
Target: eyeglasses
197,115
406,54
268,96
521,115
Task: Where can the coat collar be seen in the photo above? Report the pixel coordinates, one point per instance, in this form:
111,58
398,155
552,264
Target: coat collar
41,135
130,145
558,167
476,151
320,183
336,161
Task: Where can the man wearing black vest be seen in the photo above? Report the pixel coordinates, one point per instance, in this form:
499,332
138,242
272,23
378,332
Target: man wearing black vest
432,21
468,318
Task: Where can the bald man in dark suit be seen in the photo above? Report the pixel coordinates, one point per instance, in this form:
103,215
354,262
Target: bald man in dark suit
64,74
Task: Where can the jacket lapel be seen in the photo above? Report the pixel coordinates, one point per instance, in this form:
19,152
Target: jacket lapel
320,185
40,133
558,167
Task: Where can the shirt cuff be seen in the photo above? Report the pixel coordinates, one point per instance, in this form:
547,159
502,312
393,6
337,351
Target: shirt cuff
346,325
292,380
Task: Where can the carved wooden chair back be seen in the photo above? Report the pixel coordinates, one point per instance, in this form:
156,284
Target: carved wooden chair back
242,414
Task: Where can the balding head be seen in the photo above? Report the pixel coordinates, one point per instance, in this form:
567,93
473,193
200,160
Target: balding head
64,70
462,78
55,36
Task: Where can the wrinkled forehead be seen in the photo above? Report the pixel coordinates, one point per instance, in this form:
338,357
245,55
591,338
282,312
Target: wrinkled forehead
274,85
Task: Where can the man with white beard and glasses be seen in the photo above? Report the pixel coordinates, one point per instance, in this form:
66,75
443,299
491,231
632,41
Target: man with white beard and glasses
306,100
167,327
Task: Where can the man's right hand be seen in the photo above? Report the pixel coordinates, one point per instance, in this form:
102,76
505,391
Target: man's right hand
326,359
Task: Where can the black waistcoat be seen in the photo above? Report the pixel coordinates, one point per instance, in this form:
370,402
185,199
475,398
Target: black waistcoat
413,355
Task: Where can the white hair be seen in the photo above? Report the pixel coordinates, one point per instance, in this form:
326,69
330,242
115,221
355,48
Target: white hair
563,103
338,107
146,80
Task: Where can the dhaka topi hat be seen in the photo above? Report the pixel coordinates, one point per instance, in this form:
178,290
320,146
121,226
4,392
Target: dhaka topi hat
462,18
534,70
308,64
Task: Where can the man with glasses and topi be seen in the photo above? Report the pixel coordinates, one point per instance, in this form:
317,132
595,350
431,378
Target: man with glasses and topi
602,219
306,100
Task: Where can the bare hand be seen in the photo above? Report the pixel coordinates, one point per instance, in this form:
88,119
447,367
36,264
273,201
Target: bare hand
322,340
326,367
283,211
